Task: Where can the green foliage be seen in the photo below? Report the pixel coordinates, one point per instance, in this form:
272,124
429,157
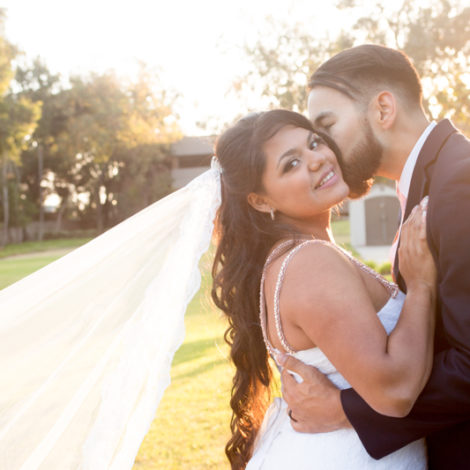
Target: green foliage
283,60
385,268
115,142
372,264
7,54
18,118
435,34
100,143
100,137
144,177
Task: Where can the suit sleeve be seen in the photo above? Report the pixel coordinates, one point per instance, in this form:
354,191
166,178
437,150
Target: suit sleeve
445,401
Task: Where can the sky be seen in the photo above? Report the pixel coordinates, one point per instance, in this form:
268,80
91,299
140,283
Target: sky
197,46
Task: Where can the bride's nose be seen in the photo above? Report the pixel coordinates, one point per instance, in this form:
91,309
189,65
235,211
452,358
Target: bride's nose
316,160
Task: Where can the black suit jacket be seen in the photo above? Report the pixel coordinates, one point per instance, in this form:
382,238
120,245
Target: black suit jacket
442,411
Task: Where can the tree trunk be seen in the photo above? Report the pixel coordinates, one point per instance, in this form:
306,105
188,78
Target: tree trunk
60,214
41,202
99,209
5,197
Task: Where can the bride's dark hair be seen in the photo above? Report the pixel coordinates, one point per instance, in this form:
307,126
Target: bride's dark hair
245,237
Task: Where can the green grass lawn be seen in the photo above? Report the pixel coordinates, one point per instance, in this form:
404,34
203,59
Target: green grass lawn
13,269
192,422
37,247
191,426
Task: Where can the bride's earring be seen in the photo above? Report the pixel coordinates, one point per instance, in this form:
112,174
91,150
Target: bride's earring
272,213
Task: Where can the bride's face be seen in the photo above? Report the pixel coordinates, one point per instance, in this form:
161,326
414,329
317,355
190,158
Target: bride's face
302,177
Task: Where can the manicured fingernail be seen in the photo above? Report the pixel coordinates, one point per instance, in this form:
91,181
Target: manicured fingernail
424,202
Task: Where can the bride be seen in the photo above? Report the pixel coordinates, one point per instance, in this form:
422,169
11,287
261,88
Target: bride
86,343
286,287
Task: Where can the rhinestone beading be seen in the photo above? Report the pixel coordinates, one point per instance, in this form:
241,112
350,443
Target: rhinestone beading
391,287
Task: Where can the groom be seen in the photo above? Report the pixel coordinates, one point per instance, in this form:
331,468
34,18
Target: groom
368,99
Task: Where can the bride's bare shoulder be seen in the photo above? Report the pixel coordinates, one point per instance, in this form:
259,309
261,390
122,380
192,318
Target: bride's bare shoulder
309,261
314,255
318,271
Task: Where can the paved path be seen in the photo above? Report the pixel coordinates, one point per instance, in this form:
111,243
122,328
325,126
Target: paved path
39,254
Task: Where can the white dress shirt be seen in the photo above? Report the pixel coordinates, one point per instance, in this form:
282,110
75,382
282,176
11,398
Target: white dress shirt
403,184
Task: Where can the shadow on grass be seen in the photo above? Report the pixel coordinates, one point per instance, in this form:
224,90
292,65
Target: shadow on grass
199,370
196,349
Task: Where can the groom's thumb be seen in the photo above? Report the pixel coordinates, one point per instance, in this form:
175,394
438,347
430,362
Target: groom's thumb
292,365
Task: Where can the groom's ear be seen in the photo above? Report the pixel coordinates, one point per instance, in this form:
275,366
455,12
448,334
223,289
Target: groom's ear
384,109
259,203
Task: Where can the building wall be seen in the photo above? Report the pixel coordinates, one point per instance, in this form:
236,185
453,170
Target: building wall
190,157
182,176
374,219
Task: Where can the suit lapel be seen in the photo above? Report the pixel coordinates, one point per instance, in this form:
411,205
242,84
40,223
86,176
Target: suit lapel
421,177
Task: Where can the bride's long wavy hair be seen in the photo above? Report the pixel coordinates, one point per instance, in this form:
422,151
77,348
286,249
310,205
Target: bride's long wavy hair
245,237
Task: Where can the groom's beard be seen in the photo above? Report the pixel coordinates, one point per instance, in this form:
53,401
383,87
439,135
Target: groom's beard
363,162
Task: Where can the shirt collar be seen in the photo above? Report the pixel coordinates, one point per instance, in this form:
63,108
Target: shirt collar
403,185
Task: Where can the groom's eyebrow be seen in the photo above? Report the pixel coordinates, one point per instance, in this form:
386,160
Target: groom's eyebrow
293,150
319,118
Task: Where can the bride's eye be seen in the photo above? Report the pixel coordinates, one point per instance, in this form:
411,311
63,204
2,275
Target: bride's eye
315,142
292,163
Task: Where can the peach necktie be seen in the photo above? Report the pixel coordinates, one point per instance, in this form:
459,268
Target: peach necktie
393,248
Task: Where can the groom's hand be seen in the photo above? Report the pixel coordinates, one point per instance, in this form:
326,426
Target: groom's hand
314,404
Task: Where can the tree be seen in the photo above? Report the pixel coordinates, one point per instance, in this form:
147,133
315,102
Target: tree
108,123
436,36
283,60
144,165
40,86
437,39
18,117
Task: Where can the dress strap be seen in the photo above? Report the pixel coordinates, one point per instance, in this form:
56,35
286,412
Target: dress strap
391,288
277,292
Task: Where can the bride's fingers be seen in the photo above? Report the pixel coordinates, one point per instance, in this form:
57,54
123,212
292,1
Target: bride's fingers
415,225
424,210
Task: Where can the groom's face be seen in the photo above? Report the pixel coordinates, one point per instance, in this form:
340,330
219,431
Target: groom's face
343,120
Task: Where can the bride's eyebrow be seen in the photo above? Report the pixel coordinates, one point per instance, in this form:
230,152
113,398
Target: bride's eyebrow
293,151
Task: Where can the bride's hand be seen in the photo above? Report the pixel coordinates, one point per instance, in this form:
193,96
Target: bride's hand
416,262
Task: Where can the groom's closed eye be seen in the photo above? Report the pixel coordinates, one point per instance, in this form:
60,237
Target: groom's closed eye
323,121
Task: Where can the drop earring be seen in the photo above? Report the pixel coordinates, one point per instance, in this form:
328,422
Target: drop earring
272,213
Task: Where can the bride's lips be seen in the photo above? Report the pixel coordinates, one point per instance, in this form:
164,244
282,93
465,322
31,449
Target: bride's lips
330,182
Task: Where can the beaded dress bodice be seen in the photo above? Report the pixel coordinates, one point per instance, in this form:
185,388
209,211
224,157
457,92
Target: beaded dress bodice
388,314
278,446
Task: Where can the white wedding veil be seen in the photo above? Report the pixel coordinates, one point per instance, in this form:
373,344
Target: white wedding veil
86,343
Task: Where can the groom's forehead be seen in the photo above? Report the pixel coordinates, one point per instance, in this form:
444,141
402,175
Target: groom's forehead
325,102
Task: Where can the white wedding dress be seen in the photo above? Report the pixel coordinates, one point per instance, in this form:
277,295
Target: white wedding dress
279,446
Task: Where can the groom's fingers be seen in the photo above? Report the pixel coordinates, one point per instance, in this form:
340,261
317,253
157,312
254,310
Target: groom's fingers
294,365
297,375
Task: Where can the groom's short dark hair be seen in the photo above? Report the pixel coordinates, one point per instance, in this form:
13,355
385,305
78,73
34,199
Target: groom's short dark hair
358,71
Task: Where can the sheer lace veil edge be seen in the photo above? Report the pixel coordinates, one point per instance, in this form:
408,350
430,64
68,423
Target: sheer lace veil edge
86,343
